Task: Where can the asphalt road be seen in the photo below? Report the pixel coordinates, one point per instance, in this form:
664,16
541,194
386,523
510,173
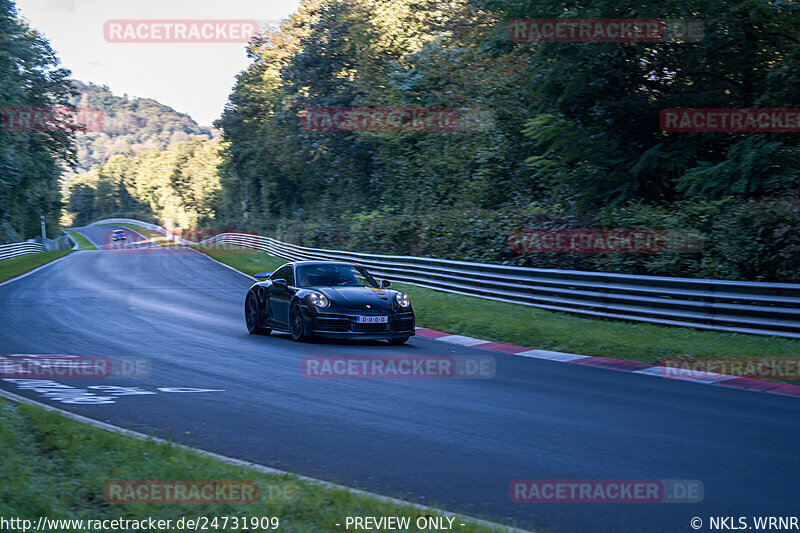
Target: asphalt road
452,442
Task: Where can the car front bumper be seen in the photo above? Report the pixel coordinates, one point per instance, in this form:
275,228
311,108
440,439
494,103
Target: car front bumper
343,325
353,335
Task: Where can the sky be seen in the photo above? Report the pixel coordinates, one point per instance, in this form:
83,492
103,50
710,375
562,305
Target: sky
193,78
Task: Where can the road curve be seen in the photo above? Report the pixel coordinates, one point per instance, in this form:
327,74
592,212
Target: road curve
455,443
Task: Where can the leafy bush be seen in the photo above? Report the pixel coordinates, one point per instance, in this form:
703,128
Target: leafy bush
754,240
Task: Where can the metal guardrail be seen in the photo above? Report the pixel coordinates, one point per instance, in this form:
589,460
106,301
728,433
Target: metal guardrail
736,306
7,251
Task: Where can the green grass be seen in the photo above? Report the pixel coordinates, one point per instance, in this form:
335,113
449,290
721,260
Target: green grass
56,467
11,268
245,260
561,332
83,242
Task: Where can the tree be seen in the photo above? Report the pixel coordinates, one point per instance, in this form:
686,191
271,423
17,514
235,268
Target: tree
30,161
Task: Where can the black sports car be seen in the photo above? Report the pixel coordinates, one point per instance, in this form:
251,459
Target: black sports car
328,299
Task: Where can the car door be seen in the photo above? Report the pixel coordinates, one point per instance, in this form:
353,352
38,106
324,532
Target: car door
280,297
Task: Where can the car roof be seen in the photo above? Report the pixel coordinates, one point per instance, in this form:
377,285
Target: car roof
309,263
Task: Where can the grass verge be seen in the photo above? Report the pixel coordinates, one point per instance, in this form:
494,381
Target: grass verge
56,467
561,332
83,242
11,268
245,260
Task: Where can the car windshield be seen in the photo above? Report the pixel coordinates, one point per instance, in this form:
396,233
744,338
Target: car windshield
334,275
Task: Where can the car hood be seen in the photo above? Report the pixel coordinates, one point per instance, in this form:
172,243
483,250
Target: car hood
357,297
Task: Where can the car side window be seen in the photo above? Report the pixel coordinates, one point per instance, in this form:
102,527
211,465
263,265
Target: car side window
286,273
278,274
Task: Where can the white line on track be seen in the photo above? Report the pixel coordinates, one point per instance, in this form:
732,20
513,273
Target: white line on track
553,356
696,376
462,340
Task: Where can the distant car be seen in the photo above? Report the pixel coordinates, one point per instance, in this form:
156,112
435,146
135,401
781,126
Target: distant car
118,235
328,299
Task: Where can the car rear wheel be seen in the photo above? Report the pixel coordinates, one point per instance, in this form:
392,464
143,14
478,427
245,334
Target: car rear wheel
296,319
251,317
399,341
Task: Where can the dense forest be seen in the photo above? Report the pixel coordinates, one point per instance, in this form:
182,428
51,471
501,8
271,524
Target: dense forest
177,187
568,137
147,161
574,141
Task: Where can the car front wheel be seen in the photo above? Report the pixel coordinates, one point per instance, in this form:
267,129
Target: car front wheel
251,317
298,329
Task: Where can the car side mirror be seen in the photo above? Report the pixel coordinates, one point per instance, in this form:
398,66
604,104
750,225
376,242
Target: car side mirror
262,275
280,282
385,283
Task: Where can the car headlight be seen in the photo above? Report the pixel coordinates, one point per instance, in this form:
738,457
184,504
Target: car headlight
319,299
402,299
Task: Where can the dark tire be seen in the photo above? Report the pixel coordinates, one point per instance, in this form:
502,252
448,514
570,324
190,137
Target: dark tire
398,342
251,317
296,324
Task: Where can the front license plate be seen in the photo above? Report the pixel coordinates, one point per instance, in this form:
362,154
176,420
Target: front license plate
362,319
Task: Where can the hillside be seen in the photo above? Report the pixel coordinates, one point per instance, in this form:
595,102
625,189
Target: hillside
129,125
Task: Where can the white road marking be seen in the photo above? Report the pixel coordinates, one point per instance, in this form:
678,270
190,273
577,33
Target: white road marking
553,356
677,374
707,378
188,389
462,340
60,392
